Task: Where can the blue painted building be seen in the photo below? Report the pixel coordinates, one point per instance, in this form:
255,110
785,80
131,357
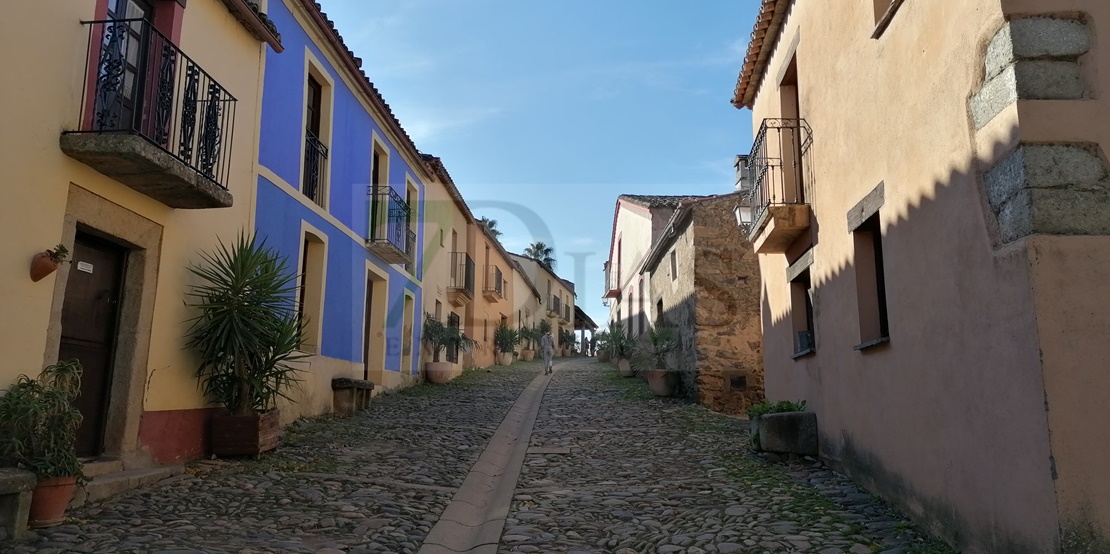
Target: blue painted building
340,193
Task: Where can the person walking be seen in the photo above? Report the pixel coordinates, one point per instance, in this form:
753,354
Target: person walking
547,350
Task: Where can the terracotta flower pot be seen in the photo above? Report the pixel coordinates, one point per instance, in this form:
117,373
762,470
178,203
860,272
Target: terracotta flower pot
50,500
505,358
603,356
527,355
625,367
42,265
249,435
439,373
662,382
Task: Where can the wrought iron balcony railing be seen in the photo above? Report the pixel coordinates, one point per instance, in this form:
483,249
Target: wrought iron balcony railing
462,273
315,158
139,82
390,226
777,171
495,281
555,305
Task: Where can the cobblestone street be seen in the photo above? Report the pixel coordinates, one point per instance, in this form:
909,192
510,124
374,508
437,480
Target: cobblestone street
608,469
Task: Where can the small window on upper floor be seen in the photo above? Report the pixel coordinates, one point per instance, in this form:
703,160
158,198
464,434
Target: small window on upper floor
674,265
884,13
317,112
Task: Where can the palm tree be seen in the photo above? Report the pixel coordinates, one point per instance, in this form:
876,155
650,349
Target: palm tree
542,252
490,224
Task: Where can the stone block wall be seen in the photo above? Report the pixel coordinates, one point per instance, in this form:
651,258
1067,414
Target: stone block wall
676,291
727,312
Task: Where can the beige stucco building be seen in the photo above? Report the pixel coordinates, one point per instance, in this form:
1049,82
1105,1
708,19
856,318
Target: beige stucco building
557,305
704,281
638,222
930,193
134,188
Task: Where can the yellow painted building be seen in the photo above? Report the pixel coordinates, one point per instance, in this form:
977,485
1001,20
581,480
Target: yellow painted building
558,297
134,148
449,272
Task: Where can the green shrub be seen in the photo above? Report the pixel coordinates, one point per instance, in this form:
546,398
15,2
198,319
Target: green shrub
780,407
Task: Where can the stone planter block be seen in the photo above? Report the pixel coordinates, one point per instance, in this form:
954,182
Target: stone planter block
350,395
788,433
16,486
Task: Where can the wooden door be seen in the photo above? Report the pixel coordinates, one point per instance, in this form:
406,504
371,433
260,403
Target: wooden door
366,331
90,315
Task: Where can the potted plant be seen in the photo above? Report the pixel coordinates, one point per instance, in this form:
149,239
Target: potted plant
601,346
650,359
38,431
439,337
621,346
505,338
46,262
246,335
528,337
566,341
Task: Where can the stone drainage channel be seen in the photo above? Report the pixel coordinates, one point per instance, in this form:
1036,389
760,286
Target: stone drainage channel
505,460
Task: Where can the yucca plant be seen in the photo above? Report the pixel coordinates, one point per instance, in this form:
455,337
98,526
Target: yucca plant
246,331
621,343
528,337
38,422
651,352
506,338
439,337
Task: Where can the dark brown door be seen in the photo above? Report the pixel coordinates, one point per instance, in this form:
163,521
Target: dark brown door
90,314
366,330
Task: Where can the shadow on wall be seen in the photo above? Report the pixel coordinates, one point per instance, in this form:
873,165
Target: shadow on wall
946,420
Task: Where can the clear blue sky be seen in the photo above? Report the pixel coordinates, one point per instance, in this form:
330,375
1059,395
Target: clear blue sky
545,111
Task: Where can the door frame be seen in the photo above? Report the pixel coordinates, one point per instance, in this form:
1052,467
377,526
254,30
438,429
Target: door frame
142,238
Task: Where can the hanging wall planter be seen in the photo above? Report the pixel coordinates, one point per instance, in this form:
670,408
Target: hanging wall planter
46,262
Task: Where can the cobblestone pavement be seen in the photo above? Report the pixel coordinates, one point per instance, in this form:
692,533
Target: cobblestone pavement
374,482
613,469
610,470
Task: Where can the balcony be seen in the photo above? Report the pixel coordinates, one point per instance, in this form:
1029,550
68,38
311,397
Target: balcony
389,227
612,286
494,289
315,158
554,306
152,119
460,286
775,211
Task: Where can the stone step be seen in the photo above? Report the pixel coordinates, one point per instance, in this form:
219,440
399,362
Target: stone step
101,466
110,484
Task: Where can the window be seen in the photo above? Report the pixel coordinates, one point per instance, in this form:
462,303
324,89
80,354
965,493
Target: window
379,186
412,199
801,311
439,310
453,351
311,297
659,312
314,181
874,326
485,329
674,265
441,237
642,324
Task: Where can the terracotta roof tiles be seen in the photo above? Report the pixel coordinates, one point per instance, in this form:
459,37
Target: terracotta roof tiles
768,23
